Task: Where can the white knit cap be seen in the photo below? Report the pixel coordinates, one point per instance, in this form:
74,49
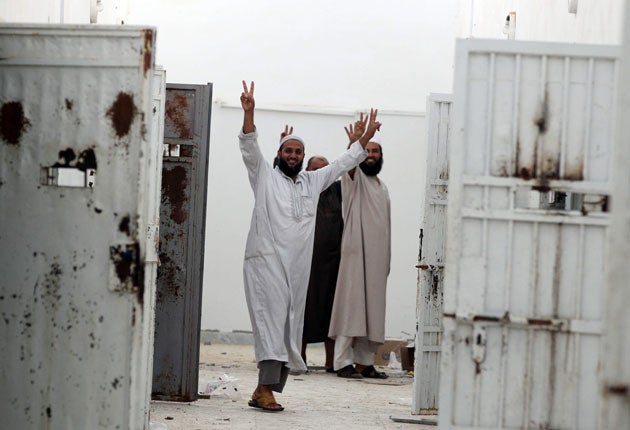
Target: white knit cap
376,138
291,137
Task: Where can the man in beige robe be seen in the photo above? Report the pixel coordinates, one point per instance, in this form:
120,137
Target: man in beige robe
358,316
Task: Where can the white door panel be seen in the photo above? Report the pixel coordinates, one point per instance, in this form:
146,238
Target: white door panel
431,259
527,226
74,289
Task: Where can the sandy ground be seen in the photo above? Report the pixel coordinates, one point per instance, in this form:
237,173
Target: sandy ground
315,400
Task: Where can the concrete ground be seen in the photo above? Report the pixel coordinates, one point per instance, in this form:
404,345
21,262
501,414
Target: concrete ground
315,400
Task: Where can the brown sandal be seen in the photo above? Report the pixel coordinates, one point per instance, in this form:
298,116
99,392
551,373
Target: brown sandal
266,402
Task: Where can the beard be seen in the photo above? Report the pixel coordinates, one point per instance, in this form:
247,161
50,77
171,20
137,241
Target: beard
372,169
288,170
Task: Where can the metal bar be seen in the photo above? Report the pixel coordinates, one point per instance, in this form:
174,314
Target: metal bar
585,187
414,420
506,305
483,46
179,159
437,202
587,120
83,31
508,259
538,159
439,182
489,116
515,111
73,62
578,313
540,216
531,308
565,108
564,325
502,377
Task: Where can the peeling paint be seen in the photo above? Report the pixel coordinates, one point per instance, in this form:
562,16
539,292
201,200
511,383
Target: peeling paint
13,122
128,270
66,157
123,226
86,160
123,262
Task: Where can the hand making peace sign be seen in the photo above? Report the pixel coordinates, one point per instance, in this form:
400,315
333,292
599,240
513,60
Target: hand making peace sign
247,98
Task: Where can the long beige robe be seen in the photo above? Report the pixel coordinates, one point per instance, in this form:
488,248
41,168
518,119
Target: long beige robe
359,306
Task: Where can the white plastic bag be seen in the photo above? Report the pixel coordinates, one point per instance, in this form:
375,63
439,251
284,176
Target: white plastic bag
393,362
225,387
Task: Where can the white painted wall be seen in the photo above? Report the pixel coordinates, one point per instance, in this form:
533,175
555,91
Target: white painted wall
64,11
315,65
596,21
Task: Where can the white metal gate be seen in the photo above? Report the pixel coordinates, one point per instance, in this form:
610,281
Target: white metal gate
154,190
615,353
77,183
431,258
527,221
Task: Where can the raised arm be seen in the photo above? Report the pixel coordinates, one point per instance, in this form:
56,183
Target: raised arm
287,131
372,126
248,104
355,133
363,131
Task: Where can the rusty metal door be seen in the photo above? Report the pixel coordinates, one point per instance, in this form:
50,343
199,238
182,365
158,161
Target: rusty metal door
75,190
182,235
431,258
530,166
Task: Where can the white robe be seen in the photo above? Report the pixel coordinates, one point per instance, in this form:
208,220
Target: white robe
279,248
359,305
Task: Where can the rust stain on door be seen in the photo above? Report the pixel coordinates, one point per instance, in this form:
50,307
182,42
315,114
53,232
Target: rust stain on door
174,183
122,113
177,111
148,47
13,122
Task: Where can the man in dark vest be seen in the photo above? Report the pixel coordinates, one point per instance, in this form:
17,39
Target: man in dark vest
324,267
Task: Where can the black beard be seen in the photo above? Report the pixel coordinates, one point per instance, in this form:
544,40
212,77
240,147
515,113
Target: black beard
287,170
372,169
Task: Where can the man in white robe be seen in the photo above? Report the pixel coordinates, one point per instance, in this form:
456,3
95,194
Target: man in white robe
358,317
280,245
